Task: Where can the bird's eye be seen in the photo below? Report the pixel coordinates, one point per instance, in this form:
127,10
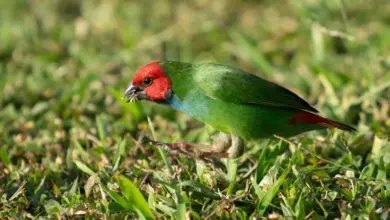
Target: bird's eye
148,81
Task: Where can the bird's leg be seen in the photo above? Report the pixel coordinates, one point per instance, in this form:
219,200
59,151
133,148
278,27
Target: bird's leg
178,148
237,146
183,148
229,145
217,149
225,146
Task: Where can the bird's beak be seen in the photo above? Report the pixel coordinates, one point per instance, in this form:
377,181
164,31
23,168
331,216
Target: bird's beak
131,93
134,93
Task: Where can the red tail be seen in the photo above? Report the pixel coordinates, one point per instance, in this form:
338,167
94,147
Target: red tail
310,118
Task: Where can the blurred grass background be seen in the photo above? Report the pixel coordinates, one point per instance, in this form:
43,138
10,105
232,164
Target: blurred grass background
69,143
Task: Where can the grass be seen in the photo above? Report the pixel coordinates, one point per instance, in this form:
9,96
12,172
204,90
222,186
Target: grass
71,148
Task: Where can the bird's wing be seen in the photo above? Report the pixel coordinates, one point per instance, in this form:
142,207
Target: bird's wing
236,86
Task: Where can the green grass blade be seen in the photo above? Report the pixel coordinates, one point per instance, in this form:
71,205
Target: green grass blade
252,53
232,169
101,131
89,185
4,157
84,168
74,187
266,200
134,196
162,152
181,205
117,198
135,108
84,154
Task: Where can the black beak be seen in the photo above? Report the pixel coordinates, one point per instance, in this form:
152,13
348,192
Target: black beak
134,93
130,90
131,93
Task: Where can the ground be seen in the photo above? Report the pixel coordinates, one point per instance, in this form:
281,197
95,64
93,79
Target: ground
72,148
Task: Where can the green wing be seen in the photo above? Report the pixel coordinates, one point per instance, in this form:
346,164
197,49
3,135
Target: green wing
236,86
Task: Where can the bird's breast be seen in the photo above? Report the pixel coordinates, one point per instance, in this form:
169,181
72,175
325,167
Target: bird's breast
193,105
201,108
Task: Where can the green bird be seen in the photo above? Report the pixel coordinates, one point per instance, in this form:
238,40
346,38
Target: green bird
241,105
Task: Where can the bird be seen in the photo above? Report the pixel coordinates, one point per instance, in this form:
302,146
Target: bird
242,106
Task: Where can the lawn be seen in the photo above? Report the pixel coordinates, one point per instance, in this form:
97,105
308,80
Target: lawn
71,148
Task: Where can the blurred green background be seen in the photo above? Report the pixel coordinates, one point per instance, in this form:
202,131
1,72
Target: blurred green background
67,138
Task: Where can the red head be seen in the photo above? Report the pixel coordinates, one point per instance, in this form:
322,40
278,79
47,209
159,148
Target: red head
150,82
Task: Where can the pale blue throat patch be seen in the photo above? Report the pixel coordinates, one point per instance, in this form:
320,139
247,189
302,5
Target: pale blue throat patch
193,105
